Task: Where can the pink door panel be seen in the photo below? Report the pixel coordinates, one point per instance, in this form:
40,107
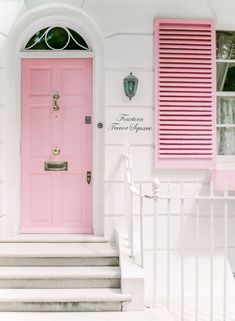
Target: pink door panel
56,201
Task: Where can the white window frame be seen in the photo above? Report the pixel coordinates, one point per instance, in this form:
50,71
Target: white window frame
224,161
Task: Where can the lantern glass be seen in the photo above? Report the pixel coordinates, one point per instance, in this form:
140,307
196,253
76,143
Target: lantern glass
130,85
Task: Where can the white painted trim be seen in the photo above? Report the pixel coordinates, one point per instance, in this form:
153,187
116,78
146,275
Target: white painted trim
55,54
225,125
128,106
225,162
126,69
128,33
3,34
224,26
225,93
226,60
27,24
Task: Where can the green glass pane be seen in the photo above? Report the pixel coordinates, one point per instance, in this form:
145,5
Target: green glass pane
229,84
37,40
57,38
73,45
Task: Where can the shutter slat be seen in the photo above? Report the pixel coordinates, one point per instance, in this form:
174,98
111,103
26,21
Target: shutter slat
188,148
171,90
179,73
185,92
181,56
181,41
184,136
192,46
181,114
184,103
166,117
188,32
185,142
184,52
186,155
188,98
187,37
184,67
185,27
177,80
184,61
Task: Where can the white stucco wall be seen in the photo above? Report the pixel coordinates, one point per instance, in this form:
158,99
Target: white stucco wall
127,30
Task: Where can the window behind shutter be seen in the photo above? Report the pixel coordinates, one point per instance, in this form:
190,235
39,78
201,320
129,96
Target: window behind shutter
185,93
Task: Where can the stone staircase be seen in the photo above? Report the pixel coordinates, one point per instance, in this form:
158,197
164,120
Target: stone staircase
60,277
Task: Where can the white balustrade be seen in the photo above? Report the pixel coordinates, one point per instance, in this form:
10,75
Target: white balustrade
211,197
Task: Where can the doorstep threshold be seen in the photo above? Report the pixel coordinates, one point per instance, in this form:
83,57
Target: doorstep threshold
53,238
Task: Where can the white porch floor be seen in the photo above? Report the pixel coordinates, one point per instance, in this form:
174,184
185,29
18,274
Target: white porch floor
206,302
147,315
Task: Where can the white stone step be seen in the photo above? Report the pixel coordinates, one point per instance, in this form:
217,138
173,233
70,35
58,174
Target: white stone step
58,254
59,300
61,249
54,238
63,272
60,277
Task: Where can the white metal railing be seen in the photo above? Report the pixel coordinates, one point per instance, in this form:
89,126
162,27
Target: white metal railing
130,191
211,197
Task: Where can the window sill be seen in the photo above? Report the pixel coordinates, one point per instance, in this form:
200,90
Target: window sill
225,162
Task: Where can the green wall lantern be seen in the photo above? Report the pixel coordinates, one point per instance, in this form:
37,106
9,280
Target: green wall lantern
130,83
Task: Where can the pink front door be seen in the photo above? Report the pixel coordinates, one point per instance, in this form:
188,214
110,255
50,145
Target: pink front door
56,146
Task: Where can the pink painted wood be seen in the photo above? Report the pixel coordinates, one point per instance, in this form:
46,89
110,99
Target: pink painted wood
185,93
57,201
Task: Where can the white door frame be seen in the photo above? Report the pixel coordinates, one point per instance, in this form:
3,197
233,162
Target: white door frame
36,20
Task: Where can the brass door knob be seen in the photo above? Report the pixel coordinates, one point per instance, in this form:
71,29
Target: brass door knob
56,151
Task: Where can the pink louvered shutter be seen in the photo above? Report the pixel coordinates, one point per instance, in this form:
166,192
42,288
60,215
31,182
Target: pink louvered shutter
185,103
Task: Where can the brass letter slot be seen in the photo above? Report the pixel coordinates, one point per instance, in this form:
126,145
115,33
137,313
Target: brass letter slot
56,166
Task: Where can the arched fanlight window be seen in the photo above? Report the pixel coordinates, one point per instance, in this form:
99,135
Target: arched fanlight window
56,38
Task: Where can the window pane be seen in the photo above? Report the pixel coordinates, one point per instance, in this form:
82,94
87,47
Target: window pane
225,45
225,76
37,41
226,141
226,110
56,38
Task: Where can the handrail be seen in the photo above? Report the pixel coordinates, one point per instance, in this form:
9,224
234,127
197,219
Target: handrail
132,187
132,190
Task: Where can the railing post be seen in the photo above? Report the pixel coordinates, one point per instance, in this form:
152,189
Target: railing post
128,207
182,247
211,251
141,229
168,246
129,197
225,247
197,225
131,226
156,184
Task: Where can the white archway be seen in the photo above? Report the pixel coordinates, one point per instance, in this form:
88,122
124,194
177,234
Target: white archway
23,29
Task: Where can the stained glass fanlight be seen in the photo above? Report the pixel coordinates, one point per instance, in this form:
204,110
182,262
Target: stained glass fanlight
56,38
